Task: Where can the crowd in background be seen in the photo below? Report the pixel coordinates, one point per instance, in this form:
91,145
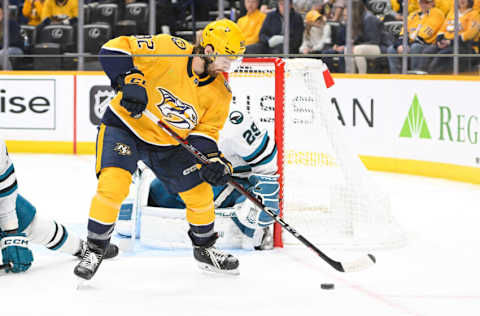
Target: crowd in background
316,27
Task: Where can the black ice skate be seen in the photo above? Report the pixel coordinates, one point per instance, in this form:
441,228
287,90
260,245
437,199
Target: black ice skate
90,262
214,260
110,252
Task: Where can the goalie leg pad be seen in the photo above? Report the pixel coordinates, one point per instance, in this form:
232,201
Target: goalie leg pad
266,188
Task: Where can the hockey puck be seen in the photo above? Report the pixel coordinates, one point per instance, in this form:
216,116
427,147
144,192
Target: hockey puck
327,286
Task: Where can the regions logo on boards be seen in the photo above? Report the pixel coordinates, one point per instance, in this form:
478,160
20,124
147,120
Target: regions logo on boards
454,123
100,97
415,124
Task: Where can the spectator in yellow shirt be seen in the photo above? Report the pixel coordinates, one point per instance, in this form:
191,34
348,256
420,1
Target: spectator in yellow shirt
251,23
444,5
422,28
59,12
32,10
469,30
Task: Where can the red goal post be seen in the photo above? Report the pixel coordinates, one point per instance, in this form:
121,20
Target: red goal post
279,71
326,192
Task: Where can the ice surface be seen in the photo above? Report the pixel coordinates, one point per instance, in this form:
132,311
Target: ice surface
436,274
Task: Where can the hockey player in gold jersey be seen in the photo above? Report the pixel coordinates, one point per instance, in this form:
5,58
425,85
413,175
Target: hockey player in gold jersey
191,95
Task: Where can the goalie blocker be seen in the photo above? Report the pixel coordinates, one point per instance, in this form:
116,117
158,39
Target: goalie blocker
159,216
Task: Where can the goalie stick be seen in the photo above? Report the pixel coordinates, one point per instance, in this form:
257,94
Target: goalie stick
359,264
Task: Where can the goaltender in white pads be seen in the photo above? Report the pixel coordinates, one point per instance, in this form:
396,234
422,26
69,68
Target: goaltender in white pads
159,216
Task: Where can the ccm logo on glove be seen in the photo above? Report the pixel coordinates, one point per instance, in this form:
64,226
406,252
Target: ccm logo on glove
15,242
15,252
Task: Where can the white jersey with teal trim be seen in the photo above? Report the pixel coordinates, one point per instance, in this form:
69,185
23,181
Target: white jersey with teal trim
247,145
8,191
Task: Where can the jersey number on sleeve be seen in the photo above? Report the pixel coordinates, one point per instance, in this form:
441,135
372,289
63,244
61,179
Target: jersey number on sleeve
251,134
145,39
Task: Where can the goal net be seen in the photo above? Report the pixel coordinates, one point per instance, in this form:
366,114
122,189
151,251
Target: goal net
327,194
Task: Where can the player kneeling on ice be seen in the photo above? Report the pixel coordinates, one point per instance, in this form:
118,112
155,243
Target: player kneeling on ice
20,224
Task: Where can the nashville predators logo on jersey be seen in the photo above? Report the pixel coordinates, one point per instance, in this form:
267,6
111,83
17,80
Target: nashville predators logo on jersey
176,112
122,149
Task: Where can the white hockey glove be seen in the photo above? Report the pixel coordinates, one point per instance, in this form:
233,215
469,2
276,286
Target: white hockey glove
275,40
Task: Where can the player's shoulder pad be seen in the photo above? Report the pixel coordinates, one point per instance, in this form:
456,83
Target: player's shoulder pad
119,44
173,43
222,85
179,42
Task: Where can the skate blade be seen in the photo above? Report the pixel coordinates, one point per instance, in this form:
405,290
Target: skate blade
212,269
82,284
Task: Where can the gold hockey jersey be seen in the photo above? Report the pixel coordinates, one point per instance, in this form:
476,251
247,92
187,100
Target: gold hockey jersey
469,25
424,25
188,103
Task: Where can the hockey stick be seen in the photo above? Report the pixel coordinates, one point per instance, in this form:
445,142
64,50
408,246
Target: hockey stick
5,266
351,266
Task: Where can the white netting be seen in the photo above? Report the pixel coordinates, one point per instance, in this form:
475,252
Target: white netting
329,197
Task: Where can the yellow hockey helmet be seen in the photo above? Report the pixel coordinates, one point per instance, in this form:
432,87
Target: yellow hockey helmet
225,36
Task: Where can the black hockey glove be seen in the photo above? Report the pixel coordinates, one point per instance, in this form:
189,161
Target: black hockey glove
218,171
134,97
